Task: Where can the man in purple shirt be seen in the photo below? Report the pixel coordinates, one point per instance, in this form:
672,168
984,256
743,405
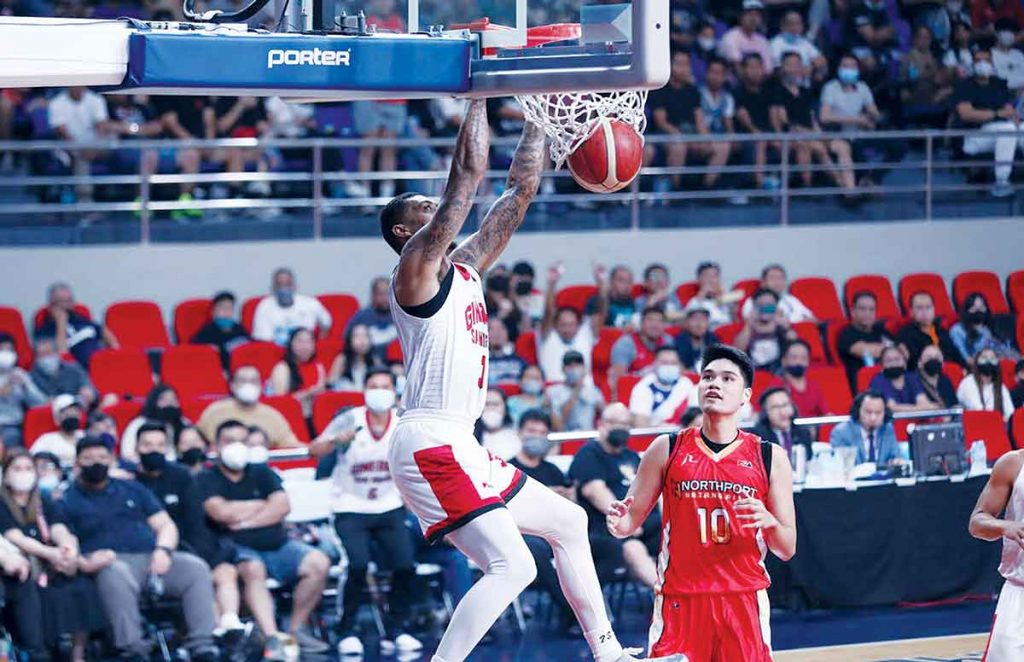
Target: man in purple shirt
746,37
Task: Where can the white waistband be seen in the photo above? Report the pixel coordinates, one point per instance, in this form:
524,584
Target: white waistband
435,416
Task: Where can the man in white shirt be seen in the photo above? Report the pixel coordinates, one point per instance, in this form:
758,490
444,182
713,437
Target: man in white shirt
1008,60
791,39
564,329
663,395
67,414
79,115
284,311
773,277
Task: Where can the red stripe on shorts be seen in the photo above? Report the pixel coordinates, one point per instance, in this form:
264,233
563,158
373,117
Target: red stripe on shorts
452,488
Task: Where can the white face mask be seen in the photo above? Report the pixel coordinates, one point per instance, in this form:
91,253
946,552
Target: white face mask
667,374
49,482
21,481
258,455
235,456
49,364
247,393
706,43
8,359
984,68
1006,38
379,400
492,419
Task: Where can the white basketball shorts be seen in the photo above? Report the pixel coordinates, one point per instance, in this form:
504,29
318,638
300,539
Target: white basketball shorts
1006,643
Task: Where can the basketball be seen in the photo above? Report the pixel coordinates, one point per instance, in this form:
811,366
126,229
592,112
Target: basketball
609,159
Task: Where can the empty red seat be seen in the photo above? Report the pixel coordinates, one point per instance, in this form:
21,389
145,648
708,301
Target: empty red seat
1009,374
832,332
575,296
600,359
625,388
189,316
137,325
1015,291
249,312
877,285
931,283
989,427
193,408
292,412
835,386
124,372
262,355
819,295
526,347
44,312
341,307
727,332
393,353
865,375
1017,427
811,334
508,388
686,291
12,322
195,371
123,412
327,404
38,421
762,379
954,371
985,282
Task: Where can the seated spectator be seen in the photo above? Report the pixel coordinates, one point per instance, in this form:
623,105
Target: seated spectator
775,423
132,118
807,395
239,117
985,14
1006,58
576,402
694,338
377,317
534,428
504,366
191,448
926,86
711,296
495,429
861,343
300,374
793,112
902,390
705,48
246,502
663,394
871,35
983,389
746,37
530,396
368,509
499,302
693,417
528,299
633,353
937,386
869,430
923,330
17,393
673,112
791,39
162,405
74,334
1017,392
67,415
52,600
773,277
223,329
658,292
959,58
765,332
244,405
284,311
754,97
976,331
383,120
715,117
126,538
348,371
79,115
52,375
614,301
48,472
563,330
602,471
984,102
848,106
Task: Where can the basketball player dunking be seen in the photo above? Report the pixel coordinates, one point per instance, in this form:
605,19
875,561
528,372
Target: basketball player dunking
1005,492
455,488
726,496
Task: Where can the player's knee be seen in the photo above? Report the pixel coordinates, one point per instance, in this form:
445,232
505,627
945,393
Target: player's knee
522,569
575,520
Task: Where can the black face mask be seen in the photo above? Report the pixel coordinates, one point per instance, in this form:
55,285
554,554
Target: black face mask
988,369
169,414
71,424
618,438
932,367
524,287
193,456
976,317
153,462
94,474
796,370
895,372
498,284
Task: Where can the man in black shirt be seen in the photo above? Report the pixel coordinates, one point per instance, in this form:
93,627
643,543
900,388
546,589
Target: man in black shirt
75,334
223,329
984,102
182,118
871,34
924,330
753,109
603,470
246,502
673,109
861,343
240,117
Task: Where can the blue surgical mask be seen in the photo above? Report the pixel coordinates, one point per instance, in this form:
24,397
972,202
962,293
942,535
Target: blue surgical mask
224,323
848,76
285,296
790,38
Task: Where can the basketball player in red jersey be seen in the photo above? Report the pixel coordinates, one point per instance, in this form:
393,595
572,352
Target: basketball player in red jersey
456,489
727,497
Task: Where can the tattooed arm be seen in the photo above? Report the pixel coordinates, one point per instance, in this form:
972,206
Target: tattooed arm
424,263
484,246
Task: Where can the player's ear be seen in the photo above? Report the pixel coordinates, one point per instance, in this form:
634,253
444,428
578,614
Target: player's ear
400,231
747,394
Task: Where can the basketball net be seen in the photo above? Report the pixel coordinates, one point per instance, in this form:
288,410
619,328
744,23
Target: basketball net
569,119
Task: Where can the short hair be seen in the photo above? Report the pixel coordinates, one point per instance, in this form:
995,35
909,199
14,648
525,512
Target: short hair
982,49
864,293
707,264
255,429
851,56
37,340
228,425
573,357
797,342
747,57
535,414
733,355
379,370
772,267
652,267
282,271
689,416
618,268
769,392
52,289
151,426
223,295
921,293
666,348
90,441
717,60
523,268
789,54
764,291
652,310
568,309
393,214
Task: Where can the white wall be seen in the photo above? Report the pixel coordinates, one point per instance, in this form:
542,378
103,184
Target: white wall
170,273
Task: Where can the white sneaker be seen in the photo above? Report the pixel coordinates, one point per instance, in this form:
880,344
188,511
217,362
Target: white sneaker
350,645
407,643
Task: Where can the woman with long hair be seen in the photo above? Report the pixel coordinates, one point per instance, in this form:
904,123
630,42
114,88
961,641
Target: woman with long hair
162,404
975,330
983,389
348,373
300,373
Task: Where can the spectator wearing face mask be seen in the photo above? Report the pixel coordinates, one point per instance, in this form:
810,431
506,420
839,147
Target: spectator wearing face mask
634,352
192,449
1006,58
17,393
848,106
49,471
162,405
871,35
500,303
575,403
53,375
791,39
494,429
765,332
937,386
807,395
775,424
377,317
530,396
564,329
528,299
285,310
983,388
773,277
925,84
975,331
705,48
67,415
747,37
923,330
244,405
223,329
694,337
1017,392
902,390
985,14
663,394
504,365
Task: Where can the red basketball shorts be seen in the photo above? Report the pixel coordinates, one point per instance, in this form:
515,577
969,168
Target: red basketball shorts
712,627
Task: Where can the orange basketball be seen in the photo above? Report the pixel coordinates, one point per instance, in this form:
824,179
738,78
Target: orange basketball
609,159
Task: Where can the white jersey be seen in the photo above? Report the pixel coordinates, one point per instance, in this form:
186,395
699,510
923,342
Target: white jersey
1012,564
361,479
444,342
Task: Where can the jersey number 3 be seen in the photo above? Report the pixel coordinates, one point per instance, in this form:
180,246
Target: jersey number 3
483,369
715,527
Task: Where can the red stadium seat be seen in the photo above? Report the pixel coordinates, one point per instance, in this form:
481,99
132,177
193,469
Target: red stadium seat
193,408
727,332
931,283
762,378
990,428
987,283
327,404
954,371
625,388
137,325
894,324
865,375
195,371
818,294
1017,428
123,413
124,372
1006,367
686,291
508,388
832,332
249,312
811,334
1020,331
393,353
292,412
189,316
526,347
748,285
638,291
600,359
575,296
835,387
327,349
42,313
341,307
11,322
1015,291
877,285
38,421
263,355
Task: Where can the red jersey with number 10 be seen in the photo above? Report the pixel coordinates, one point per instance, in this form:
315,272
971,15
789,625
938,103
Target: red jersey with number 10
703,547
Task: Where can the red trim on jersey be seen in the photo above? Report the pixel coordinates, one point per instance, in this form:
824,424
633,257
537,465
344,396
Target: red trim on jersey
463,271
369,426
453,489
991,633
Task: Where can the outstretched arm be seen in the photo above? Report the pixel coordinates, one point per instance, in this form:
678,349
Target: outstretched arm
484,246
985,523
424,259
